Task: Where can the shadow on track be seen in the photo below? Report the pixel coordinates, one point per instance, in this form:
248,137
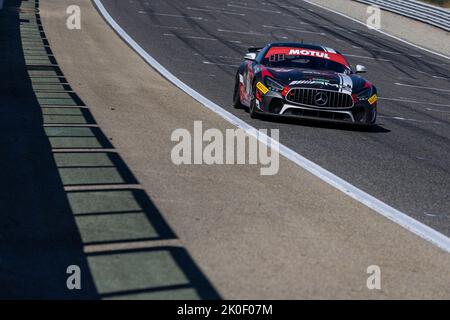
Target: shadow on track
66,197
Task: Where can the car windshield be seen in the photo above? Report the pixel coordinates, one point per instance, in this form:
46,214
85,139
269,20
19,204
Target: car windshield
304,62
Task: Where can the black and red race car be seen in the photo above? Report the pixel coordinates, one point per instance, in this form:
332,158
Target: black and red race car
304,80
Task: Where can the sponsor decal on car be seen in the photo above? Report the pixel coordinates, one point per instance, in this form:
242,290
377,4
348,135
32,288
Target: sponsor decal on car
262,87
314,81
372,99
308,53
317,82
289,51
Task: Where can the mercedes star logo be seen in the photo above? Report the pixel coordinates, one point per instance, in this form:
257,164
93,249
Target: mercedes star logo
321,98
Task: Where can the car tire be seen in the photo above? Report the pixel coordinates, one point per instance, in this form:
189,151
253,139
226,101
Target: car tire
236,94
375,118
253,109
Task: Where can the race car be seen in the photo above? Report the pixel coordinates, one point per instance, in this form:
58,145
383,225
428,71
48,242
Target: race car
304,80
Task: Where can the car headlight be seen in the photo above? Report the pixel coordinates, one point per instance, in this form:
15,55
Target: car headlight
365,94
273,85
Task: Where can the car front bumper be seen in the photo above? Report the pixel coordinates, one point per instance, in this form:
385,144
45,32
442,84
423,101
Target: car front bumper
360,113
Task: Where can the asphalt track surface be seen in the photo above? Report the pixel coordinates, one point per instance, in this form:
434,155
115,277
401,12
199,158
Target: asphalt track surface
404,161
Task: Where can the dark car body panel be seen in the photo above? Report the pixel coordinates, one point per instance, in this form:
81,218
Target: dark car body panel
306,89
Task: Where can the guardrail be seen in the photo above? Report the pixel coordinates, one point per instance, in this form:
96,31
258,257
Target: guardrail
416,10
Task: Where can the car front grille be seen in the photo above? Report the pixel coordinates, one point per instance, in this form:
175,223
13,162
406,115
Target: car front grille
320,98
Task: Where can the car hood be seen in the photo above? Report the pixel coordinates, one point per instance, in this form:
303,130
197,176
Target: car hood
316,79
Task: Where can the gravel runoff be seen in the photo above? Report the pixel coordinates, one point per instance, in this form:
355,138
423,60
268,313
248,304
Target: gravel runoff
405,28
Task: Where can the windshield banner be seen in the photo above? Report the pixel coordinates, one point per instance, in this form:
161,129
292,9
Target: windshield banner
301,52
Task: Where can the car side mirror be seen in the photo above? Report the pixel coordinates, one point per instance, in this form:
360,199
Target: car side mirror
360,69
250,56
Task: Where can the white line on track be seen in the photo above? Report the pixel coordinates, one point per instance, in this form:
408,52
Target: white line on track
249,33
197,38
173,15
421,87
221,64
436,110
198,73
306,23
294,30
438,77
221,8
370,49
245,46
396,53
217,11
343,29
380,31
290,7
252,8
364,57
408,119
414,101
289,27
378,206
279,5
220,57
170,27
189,37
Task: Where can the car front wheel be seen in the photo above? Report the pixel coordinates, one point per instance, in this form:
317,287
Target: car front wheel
253,109
236,94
